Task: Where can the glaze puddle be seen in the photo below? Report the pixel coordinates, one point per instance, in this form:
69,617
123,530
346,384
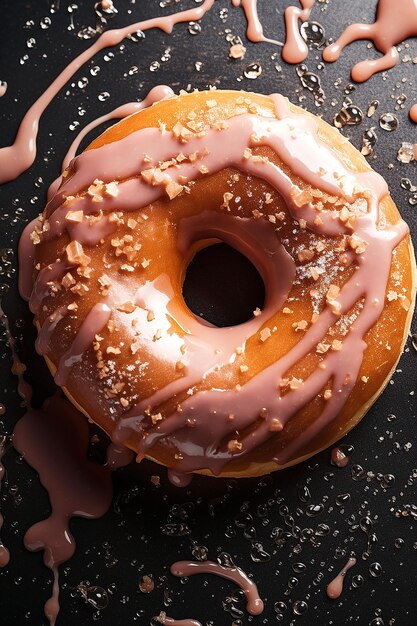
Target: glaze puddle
54,441
392,26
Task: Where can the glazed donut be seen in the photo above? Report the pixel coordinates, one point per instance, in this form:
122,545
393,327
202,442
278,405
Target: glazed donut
283,188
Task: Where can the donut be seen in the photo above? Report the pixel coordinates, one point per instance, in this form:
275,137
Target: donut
286,190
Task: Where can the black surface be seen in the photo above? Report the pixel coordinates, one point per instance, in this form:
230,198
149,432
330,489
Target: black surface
115,551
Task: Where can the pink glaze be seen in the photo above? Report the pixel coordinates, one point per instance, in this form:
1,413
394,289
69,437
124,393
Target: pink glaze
254,606
3,88
335,587
294,138
18,157
158,93
254,31
162,618
179,480
395,22
118,456
54,442
295,48
91,326
413,113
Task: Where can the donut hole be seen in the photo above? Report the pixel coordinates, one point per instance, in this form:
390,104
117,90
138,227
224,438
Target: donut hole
222,286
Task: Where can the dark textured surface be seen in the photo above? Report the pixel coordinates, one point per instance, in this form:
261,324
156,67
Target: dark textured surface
117,550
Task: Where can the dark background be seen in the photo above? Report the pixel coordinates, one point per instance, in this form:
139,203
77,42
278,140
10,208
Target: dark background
223,515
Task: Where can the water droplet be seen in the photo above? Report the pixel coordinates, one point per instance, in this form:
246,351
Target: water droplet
313,33
229,605
388,122
358,473
349,115
357,581
200,553
83,82
342,499
398,543
299,607
369,139
87,33
252,71
96,596
104,95
258,554
375,569
74,125
387,481
154,66
137,37
291,585
176,530
407,185
31,43
194,28
304,493
311,82
366,524
45,23
225,560
372,108
299,568
322,530
314,509
405,152
377,621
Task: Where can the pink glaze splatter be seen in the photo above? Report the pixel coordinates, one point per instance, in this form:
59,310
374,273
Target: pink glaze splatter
54,442
395,21
254,606
335,587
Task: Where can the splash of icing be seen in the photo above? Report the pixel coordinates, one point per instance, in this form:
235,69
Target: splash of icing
295,48
394,23
335,587
254,31
18,157
54,442
254,606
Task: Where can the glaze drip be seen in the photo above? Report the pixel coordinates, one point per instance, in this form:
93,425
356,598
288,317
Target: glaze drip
18,157
54,442
392,26
335,587
254,606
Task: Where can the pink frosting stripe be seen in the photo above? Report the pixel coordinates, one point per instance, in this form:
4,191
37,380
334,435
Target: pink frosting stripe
94,323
